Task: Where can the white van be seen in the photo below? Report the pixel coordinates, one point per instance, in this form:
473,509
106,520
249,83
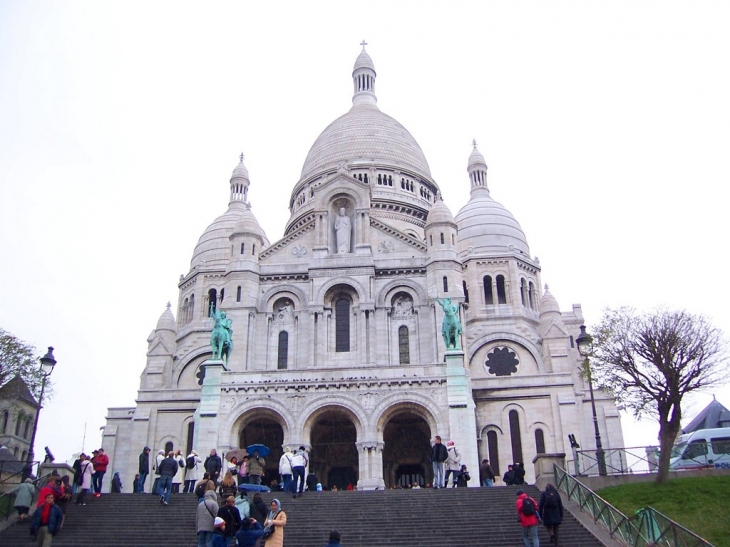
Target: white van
702,448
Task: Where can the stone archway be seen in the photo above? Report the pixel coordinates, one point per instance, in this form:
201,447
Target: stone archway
334,457
406,449
263,429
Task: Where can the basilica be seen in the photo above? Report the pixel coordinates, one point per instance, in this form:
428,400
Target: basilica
336,328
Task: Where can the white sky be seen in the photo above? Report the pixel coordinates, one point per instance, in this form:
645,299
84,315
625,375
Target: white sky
606,128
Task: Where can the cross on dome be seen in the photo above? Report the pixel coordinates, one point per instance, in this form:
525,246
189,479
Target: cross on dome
474,143
363,44
241,156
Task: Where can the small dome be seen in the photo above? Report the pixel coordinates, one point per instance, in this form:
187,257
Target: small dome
240,171
548,304
488,226
439,214
247,224
167,321
364,61
214,246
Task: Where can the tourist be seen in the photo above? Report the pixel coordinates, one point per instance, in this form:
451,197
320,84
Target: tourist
179,472
299,463
334,539
509,476
285,469
144,469
94,454
116,483
202,486
243,471
101,462
24,493
243,505
231,516
529,518
464,477
205,517
228,486
193,470
77,474
439,455
136,486
218,538
213,465
258,508
47,520
487,474
277,519
86,472
453,465
249,534
156,467
312,482
66,493
519,469
551,511
167,469
256,467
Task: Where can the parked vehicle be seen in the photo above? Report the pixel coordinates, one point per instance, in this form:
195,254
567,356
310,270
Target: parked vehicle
702,448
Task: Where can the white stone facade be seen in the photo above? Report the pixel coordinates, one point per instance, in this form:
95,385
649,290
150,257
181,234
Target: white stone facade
337,332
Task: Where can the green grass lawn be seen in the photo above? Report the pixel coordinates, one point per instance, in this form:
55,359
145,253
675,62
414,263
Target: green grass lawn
701,504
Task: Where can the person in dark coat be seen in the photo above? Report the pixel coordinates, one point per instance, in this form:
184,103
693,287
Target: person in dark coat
519,469
258,508
144,469
551,511
249,533
334,540
46,520
312,482
230,514
213,465
116,483
509,476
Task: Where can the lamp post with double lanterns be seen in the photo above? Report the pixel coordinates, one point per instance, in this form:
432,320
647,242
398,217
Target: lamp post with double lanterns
47,364
585,348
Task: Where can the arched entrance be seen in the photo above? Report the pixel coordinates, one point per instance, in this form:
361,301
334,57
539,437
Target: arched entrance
406,449
266,431
334,457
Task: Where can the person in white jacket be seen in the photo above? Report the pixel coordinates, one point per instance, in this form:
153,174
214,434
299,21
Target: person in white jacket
158,460
453,464
285,469
178,478
192,474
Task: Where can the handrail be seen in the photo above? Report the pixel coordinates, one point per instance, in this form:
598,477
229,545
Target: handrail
648,528
7,508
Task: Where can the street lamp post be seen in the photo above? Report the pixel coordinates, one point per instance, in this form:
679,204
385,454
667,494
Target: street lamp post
47,364
585,348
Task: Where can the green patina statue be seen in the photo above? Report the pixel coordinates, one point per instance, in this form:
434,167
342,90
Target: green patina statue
451,326
221,339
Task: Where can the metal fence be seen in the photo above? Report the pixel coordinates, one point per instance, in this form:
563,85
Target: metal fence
11,474
648,528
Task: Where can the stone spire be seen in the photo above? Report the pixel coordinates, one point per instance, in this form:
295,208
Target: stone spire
477,169
363,78
239,183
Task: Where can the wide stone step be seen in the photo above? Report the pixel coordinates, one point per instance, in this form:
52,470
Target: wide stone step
483,517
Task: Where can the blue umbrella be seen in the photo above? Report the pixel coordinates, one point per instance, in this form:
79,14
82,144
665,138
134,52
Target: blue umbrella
253,488
262,450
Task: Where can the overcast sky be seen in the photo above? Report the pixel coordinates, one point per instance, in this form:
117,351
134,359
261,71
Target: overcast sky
606,128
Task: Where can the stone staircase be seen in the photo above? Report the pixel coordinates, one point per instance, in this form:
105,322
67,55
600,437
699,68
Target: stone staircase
479,517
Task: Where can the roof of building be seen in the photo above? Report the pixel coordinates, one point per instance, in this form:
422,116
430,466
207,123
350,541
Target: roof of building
16,388
712,416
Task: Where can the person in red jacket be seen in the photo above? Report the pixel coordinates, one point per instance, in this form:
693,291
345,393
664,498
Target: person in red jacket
529,518
101,461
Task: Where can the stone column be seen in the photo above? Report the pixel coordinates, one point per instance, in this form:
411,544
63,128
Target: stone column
370,465
462,418
206,415
544,472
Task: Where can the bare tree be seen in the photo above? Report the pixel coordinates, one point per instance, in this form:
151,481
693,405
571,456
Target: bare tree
651,360
20,358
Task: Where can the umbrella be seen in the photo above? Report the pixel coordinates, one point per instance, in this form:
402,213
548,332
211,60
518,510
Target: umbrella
262,450
238,453
253,488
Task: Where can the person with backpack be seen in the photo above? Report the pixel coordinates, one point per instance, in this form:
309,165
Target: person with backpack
551,511
202,486
528,517
205,516
285,469
299,463
453,465
193,471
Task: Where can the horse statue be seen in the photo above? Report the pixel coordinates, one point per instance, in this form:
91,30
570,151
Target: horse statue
451,326
221,339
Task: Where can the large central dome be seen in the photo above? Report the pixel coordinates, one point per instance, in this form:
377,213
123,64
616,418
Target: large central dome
365,133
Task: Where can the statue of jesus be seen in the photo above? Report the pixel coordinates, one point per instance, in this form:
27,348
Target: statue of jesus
342,229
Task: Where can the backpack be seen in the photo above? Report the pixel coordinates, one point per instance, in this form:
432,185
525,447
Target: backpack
190,462
528,507
200,489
